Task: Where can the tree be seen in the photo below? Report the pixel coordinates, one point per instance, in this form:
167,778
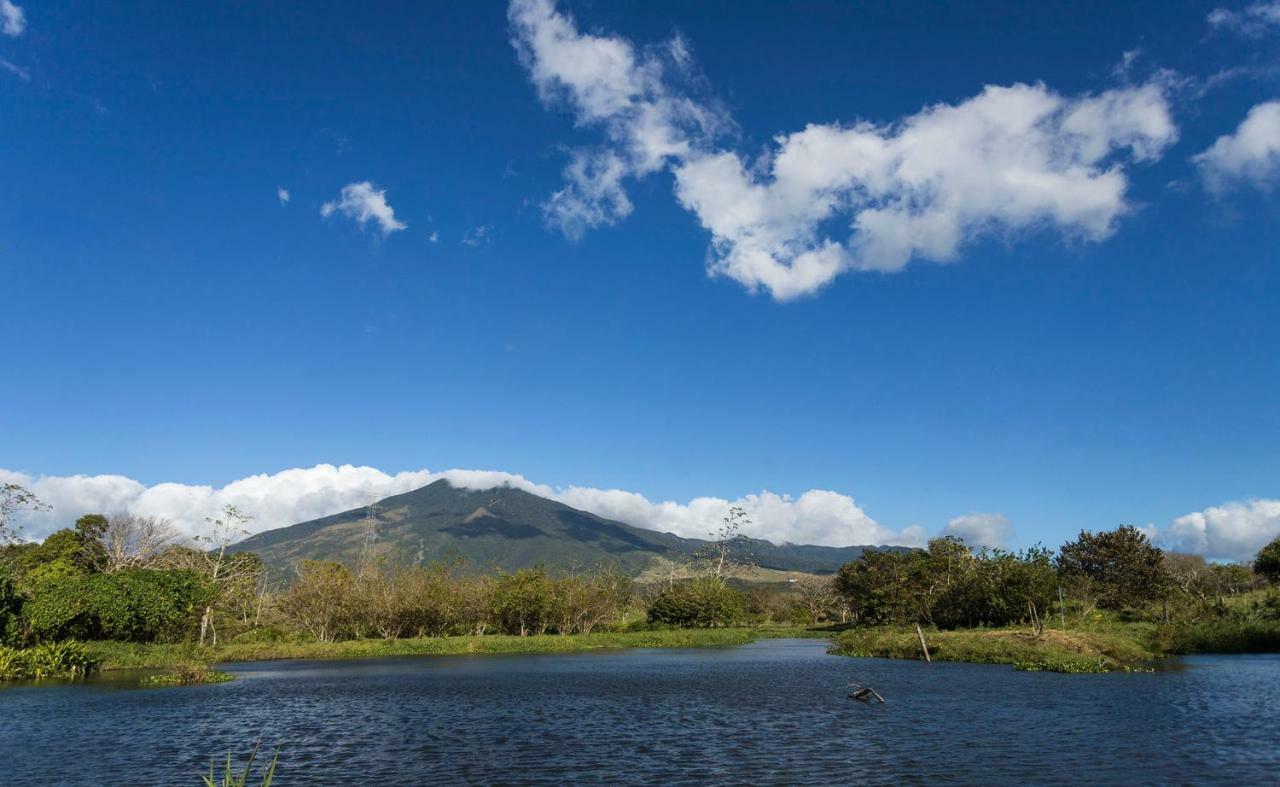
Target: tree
226,572
10,604
1267,562
90,529
1122,565
816,595
522,602
320,598
15,499
130,541
727,550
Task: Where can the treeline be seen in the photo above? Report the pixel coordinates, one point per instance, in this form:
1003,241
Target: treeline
123,578
387,599
132,578
951,586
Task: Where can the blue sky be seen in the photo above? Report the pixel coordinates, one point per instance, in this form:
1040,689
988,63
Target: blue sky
169,319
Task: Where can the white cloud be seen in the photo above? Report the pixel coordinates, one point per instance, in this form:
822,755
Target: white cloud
978,530
14,21
297,495
1250,155
434,237
1232,531
1253,20
282,194
815,517
1010,160
362,202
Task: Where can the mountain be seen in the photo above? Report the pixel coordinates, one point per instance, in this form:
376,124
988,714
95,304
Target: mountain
509,529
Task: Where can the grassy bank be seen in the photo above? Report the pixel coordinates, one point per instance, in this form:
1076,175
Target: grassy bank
1059,651
1115,646
126,655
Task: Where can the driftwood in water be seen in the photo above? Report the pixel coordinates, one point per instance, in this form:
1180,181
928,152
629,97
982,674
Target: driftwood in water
924,647
864,693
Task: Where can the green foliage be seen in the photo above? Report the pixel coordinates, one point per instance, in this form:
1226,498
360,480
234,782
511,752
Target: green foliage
188,674
1267,563
704,602
948,586
51,660
10,605
232,779
522,602
1120,567
139,606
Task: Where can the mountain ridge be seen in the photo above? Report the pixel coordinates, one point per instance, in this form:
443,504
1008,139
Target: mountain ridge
508,528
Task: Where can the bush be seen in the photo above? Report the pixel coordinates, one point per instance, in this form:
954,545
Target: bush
699,603
53,660
134,606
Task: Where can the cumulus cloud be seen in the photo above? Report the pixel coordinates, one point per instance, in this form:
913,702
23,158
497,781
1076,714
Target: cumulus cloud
297,495
1011,159
12,20
1251,155
282,194
1253,20
364,202
1232,531
979,530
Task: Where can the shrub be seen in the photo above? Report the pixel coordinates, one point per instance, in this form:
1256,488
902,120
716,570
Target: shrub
135,606
53,660
699,603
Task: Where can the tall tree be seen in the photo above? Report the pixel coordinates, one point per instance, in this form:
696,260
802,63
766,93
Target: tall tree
728,548
225,572
131,541
1124,567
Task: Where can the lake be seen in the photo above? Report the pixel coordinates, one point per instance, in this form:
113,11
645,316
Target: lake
773,712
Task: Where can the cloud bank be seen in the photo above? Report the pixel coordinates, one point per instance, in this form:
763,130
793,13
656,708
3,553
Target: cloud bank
1251,155
1010,160
301,494
364,202
1232,531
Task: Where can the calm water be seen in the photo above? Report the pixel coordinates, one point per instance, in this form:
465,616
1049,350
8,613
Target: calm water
771,712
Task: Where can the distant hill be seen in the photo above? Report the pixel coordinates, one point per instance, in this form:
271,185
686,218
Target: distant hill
509,529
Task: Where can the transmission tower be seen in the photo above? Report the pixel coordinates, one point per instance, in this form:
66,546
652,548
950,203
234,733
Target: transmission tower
370,523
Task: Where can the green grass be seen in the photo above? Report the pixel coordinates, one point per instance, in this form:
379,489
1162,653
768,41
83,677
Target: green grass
1102,646
1056,651
127,655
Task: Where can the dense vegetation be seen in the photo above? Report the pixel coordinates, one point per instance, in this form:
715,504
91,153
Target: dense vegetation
129,580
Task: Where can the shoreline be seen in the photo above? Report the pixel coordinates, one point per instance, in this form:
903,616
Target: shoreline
1119,647
114,656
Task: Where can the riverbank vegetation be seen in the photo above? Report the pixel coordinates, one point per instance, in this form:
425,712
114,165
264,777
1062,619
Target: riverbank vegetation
1104,601
141,598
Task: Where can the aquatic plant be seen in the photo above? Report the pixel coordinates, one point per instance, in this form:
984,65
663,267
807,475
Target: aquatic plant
67,659
232,779
188,674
